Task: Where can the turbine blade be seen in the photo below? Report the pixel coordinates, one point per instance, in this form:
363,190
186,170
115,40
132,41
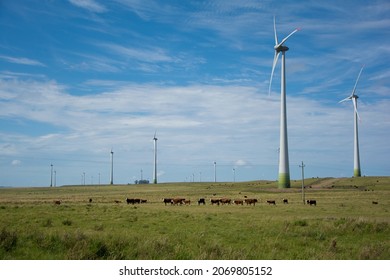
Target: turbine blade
346,99
355,107
276,56
354,88
276,36
285,39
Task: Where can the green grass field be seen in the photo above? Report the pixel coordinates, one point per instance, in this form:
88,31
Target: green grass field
345,224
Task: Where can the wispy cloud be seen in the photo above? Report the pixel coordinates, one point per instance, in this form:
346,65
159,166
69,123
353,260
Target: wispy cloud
21,60
90,5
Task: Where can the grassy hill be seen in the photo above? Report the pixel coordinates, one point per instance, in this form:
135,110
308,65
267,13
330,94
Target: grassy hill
345,224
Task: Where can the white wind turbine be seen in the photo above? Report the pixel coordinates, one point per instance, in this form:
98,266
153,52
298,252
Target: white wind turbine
284,170
356,156
155,159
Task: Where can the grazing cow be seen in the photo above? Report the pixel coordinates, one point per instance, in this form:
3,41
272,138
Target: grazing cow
143,201
117,201
375,202
271,202
137,200
130,200
215,201
90,200
250,201
201,201
57,202
311,202
285,201
226,201
167,200
187,202
176,201
238,202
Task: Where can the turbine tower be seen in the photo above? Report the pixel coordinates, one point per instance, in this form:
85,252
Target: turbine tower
112,168
155,159
356,156
284,170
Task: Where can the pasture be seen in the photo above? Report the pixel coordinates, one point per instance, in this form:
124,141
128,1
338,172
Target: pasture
345,223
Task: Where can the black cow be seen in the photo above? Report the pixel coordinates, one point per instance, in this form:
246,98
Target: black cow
201,201
311,202
271,202
130,200
285,201
167,200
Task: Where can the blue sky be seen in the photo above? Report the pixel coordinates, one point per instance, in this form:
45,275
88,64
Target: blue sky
81,77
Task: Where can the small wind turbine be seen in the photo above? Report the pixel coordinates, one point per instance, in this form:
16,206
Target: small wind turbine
356,156
155,159
284,170
112,168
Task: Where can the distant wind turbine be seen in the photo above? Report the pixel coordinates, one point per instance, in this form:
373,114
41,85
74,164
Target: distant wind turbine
155,159
112,168
356,156
284,170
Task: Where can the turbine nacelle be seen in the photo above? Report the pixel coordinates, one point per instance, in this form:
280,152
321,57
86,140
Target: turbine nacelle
353,96
279,47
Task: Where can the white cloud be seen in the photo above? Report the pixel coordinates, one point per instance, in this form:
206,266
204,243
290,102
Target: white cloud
16,162
90,5
195,125
21,60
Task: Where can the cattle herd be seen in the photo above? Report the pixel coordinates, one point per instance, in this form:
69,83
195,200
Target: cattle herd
213,201
223,201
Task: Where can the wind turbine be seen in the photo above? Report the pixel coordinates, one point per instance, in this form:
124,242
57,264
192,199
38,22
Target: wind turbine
284,170
155,159
356,156
112,168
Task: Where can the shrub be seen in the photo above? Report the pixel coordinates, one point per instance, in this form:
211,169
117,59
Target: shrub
8,239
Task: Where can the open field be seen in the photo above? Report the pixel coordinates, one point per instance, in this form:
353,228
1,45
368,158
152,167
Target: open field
345,224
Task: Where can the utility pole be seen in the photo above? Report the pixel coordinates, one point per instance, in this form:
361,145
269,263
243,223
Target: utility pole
303,182
234,175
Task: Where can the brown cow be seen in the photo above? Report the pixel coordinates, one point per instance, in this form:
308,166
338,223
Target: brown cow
250,201
271,202
57,202
238,202
215,201
226,201
187,202
176,201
